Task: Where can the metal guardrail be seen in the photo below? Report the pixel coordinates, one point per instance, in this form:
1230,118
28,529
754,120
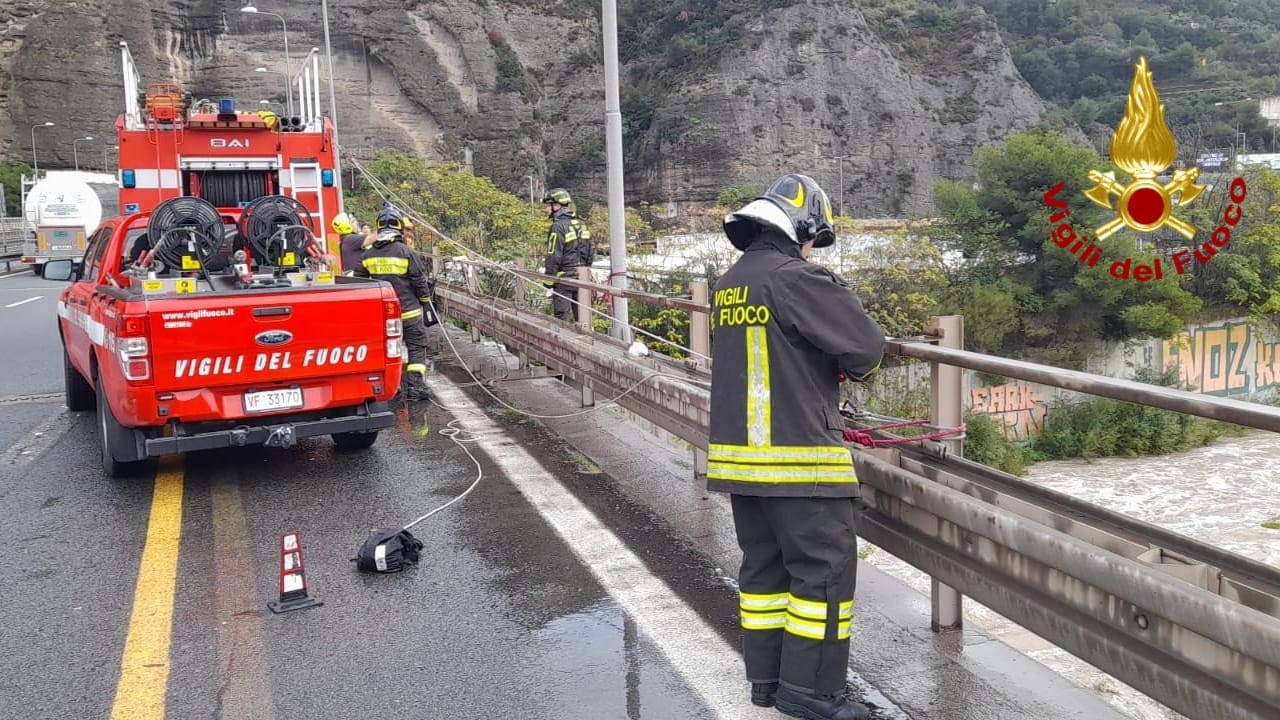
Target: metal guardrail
13,233
1193,626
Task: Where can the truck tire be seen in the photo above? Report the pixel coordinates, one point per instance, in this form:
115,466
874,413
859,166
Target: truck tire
354,440
110,432
79,393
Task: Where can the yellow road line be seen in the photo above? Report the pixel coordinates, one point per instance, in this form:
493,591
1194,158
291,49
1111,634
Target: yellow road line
144,668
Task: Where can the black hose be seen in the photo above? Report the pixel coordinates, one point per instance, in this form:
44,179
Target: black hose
275,226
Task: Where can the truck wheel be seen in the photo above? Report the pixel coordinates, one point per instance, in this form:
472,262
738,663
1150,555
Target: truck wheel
354,440
110,431
37,268
79,393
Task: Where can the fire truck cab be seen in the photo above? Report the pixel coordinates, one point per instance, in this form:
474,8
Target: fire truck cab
173,144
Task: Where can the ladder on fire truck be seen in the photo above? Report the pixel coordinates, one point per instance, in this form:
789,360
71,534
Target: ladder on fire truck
163,105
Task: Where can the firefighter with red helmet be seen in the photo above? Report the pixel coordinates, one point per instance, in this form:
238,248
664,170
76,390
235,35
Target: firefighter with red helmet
784,331
391,260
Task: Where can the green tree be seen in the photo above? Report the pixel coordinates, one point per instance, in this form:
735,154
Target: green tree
470,210
900,280
1004,240
11,178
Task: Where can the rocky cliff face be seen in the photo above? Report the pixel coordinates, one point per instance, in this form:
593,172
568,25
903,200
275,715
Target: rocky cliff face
500,85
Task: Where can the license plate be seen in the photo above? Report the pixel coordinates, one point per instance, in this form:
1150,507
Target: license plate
268,400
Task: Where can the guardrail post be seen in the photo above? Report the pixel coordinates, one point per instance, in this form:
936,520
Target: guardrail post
700,343
437,262
584,321
522,300
473,287
945,390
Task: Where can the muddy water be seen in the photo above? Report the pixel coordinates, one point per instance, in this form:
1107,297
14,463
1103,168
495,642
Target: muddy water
1221,495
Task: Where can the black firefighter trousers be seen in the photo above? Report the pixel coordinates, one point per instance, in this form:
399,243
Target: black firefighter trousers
415,342
799,567
564,302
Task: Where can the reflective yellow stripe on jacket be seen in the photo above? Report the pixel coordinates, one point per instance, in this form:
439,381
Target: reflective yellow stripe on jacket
387,265
761,461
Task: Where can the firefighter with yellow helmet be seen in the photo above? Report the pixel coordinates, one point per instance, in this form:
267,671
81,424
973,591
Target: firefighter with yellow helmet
568,247
785,331
351,244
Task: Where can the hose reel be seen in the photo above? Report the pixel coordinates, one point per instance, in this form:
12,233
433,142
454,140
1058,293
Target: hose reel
278,228
185,232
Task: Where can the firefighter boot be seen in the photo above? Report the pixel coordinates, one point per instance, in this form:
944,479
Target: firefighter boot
801,704
762,694
415,383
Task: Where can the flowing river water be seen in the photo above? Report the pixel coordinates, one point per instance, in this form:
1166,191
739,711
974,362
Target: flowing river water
1220,494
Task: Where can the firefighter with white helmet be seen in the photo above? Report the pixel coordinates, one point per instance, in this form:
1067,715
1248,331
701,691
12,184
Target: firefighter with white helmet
785,331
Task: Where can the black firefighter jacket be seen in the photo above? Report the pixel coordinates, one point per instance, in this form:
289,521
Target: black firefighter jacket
568,245
782,330
391,260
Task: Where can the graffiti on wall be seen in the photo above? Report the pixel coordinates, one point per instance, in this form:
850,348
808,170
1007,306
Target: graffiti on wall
1226,359
1019,408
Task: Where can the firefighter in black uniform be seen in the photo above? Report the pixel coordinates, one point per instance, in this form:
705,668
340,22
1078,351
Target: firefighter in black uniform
391,260
784,332
568,246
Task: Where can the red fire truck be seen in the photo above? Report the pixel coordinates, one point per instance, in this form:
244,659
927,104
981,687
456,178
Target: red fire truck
173,144
208,313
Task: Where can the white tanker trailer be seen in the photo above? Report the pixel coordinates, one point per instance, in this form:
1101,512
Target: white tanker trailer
62,211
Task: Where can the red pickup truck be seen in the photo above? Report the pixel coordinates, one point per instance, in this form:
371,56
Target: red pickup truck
205,353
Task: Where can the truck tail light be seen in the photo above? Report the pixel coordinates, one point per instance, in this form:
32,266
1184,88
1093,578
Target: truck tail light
395,328
391,308
132,348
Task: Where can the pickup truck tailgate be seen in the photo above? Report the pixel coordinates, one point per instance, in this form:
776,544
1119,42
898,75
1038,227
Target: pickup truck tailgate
267,339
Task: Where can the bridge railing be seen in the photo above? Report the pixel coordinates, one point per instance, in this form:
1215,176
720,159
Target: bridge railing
1193,626
13,232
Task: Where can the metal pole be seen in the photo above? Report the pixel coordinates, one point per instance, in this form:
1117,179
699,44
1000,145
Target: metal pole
613,147
75,155
700,342
35,161
530,179
333,100
842,184
945,390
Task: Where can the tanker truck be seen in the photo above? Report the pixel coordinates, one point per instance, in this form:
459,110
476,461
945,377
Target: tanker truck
62,209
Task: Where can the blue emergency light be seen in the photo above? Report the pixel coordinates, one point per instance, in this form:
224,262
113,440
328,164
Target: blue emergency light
326,178
226,106
128,178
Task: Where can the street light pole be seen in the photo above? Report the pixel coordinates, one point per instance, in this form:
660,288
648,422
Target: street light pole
288,76
286,84
106,164
840,207
35,161
333,102
75,152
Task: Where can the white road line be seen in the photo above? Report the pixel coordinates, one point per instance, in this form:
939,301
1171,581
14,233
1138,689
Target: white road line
16,273
24,302
707,663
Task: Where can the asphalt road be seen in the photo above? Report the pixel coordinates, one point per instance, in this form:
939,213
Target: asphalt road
543,594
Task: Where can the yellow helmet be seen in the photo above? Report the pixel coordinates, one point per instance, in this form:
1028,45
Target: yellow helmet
270,118
343,225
